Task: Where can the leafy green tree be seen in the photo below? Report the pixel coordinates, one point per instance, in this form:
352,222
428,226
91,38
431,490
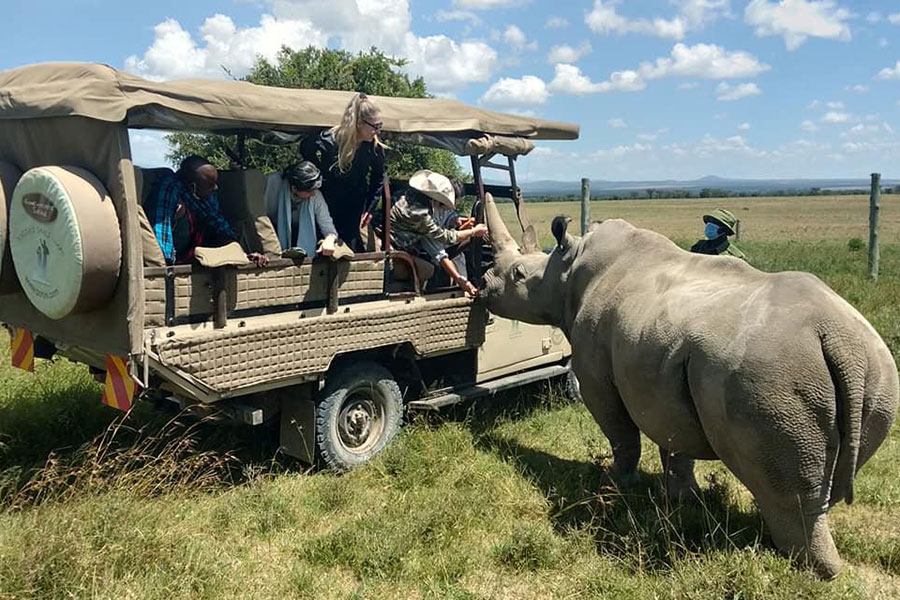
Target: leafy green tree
370,72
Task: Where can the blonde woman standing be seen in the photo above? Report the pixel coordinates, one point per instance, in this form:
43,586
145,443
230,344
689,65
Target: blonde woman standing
351,158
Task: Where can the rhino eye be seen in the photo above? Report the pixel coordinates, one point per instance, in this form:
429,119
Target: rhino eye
519,273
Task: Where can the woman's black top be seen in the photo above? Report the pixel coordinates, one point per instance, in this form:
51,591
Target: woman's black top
349,194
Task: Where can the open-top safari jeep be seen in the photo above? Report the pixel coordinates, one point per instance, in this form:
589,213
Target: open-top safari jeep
334,349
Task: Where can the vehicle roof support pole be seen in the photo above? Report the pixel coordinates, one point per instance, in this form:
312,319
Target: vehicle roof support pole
477,244
386,242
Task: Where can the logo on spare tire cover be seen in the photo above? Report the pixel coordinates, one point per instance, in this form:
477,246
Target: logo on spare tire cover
39,207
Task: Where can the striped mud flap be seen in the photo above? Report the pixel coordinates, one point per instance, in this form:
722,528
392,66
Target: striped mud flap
119,388
22,349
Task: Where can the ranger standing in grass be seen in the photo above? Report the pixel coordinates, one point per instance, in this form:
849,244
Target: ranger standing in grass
720,224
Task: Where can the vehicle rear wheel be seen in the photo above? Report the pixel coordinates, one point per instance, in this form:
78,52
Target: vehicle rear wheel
357,414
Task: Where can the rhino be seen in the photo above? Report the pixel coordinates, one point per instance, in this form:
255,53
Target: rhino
774,374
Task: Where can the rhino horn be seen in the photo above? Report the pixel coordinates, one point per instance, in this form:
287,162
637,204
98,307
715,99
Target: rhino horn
500,236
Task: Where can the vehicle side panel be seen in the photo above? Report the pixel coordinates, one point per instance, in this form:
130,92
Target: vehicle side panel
256,350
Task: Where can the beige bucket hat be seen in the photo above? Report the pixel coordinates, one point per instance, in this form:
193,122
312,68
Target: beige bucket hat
435,186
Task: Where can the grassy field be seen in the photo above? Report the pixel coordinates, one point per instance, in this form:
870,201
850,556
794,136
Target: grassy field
505,499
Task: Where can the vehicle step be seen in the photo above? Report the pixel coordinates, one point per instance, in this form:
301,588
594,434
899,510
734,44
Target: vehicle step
489,387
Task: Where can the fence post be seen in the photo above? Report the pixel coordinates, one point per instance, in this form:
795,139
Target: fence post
874,207
737,230
585,204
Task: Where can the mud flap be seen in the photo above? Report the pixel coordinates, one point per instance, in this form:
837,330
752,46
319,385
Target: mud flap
297,433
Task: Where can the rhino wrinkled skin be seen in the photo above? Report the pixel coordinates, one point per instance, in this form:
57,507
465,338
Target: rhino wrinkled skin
774,374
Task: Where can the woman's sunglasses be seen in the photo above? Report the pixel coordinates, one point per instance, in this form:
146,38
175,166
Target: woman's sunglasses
376,126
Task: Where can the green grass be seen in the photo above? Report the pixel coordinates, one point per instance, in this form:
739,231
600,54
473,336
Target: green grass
505,499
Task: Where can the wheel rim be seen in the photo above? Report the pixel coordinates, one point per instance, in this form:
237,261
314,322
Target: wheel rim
361,422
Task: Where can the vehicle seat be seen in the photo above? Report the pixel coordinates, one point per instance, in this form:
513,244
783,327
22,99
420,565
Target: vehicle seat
143,183
241,197
409,272
145,178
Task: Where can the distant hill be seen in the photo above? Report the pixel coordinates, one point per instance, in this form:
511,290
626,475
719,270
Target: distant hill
600,187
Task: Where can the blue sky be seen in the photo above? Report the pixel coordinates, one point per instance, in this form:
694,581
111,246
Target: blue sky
661,88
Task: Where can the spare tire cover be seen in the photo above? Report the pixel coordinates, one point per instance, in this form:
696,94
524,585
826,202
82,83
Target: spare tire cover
65,240
9,176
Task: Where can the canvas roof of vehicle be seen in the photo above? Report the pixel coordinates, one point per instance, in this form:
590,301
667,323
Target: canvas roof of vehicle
100,92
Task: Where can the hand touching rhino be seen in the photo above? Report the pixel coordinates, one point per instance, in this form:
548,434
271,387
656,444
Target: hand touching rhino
772,373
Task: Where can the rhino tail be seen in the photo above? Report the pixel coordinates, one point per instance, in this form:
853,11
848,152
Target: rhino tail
847,368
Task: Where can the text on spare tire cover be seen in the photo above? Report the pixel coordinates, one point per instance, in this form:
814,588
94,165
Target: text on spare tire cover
39,207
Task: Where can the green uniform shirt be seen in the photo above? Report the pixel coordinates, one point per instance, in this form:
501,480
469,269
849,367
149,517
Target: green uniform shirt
720,245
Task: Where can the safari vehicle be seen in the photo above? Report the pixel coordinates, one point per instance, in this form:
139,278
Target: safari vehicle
333,349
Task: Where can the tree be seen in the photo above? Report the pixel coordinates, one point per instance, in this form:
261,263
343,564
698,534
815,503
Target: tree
313,68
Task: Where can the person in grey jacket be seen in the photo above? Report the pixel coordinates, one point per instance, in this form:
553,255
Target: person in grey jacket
297,208
413,227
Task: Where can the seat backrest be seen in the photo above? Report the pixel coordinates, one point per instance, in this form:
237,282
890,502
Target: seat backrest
143,181
241,196
145,178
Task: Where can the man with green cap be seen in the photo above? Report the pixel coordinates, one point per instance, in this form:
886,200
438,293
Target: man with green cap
720,224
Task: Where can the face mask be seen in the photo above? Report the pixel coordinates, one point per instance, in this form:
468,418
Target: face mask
712,231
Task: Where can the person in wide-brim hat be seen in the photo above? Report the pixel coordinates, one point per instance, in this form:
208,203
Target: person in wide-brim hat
720,224
414,229
722,218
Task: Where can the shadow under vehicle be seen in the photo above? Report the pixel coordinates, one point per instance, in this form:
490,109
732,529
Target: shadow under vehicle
334,350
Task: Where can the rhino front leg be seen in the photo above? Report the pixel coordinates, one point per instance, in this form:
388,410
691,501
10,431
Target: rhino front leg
602,400
679,475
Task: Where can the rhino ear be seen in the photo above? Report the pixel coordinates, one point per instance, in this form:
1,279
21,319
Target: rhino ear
558,228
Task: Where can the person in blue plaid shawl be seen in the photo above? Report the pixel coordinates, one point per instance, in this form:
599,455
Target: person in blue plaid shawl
184,211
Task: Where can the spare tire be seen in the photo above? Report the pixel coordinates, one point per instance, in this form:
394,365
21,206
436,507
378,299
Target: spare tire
9,177
65,240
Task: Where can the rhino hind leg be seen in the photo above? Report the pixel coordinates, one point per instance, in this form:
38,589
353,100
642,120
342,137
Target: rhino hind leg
802,533
604,403
678,473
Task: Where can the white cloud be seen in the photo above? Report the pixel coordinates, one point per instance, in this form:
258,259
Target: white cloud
797,20
835,105
869,129
149,148
873,17
649,137
516,38
619,151
726,92
604,18
527,91
809,126
711,146
705,61
568,54
617,123
883,43
556,23
836,117
570,80
175,54
482,4
689,85
457,15
447,65
355,25
890,72
894,19
859,88
744,127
